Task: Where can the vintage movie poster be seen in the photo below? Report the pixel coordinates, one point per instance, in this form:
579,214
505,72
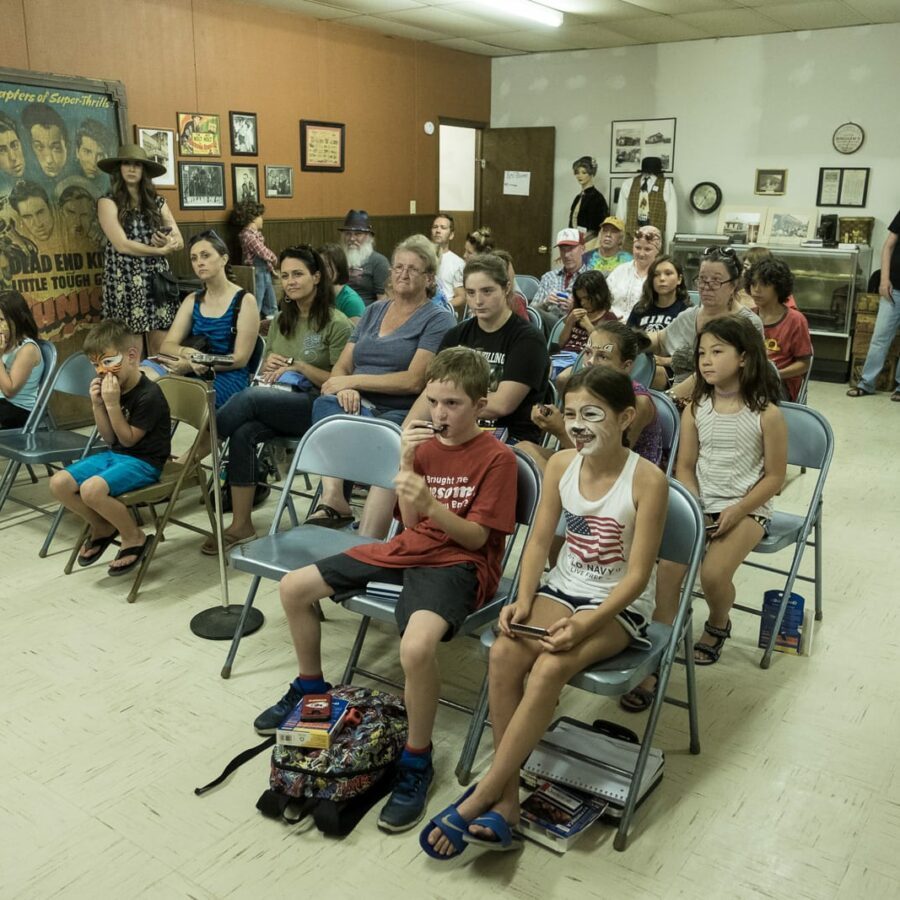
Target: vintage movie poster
51,245
198,134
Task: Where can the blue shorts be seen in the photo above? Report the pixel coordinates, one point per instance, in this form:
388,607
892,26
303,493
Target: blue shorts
121,472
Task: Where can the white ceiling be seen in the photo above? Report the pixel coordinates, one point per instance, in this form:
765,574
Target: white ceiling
488,29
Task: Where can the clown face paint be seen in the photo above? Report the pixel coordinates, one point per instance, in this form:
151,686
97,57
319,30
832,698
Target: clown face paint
590,425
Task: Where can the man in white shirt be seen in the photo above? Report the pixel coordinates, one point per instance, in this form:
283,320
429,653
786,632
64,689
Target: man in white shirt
450,266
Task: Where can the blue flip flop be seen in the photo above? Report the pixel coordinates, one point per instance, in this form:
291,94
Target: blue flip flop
452,825
507,838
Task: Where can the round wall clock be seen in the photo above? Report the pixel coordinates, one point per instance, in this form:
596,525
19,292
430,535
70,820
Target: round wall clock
848,138
706,197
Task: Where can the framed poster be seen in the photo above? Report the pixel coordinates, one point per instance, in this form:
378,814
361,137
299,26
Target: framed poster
770,181
321,146
633,139
279,181
201,185
244,138
785,225
159,144
842,187
244,183
198,134
54,130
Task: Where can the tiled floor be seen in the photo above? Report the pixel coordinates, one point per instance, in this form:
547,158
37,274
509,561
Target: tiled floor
112,713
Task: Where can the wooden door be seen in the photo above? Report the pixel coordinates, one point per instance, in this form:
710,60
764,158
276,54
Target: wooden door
521,224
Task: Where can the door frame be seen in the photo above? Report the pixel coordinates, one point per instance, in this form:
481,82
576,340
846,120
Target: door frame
479,126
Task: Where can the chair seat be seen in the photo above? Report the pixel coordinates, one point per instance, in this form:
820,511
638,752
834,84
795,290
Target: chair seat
43,446
784,530
162,489
381,609
275,555
620,673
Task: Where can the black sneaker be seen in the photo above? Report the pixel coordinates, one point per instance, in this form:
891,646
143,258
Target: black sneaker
267,722
406,805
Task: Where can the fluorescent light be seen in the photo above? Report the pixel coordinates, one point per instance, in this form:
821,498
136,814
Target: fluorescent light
527,9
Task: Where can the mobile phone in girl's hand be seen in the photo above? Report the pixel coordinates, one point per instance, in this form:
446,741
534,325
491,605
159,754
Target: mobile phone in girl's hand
529,631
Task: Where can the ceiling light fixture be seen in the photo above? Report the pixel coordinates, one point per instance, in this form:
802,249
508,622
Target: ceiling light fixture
527,9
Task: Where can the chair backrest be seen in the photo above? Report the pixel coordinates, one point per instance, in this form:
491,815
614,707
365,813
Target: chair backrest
49,356
804,385
683,535
694,297
670,426
254,364
643,369
535,318
528,286
74,376
810,439
528,495
187,399
555,332
352,448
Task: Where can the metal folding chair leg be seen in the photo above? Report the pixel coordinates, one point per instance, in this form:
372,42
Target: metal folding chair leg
57,518
690,674
356,650
477,724
239,631
817,562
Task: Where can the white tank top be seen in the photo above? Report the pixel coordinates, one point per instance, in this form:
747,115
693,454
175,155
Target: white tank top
599,534
730,460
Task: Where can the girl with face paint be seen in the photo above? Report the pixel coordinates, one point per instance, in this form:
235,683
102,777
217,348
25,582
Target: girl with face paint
595,602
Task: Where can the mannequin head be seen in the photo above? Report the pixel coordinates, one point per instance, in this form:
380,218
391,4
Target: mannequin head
584,169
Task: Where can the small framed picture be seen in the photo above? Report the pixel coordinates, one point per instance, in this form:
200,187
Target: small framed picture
244,137
198,134
159,145
771,182
322,146
245,182
615,188
279,181
201,185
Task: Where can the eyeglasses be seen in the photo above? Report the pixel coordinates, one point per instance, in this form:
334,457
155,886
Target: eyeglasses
412,270
713,283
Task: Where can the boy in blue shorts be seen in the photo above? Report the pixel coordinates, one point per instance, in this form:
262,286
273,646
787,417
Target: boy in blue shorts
456,491
132,416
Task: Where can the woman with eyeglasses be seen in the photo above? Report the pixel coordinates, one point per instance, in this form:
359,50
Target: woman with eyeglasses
305,342
626,281
718,283
381,370
221,318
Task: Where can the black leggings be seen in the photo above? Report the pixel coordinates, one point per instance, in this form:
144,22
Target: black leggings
12,416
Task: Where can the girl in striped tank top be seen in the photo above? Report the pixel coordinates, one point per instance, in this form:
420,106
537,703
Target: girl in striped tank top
596,601
732,456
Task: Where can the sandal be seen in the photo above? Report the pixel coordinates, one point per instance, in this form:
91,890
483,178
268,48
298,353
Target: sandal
210,546
453,827
895,397
136,552
331,518
506,837
98,544
858,392
712,652
639,699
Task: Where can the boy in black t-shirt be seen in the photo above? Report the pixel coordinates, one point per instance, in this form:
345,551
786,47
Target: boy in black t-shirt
132,416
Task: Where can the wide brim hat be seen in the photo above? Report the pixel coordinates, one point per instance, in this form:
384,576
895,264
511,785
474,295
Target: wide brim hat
132,153
357,220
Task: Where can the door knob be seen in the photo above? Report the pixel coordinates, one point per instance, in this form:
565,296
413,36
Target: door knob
542,248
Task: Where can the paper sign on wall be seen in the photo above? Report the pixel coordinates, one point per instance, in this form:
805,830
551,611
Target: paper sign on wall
517,183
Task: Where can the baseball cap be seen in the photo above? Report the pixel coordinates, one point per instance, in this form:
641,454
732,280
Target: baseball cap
615,221
568,237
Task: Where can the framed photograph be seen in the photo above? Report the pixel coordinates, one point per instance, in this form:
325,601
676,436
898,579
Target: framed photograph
244,182
279,181
785,225
615,187
772,182
201,185
51,247
244,137
633,139
843,187
159,145
322,146
742,224
198,134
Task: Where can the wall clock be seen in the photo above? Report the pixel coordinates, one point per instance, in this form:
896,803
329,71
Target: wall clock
848,138
706,197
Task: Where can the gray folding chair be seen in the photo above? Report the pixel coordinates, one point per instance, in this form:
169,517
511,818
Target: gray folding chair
555,332
535,318
38,411
811,446
644,369
802,394
37,445
682,542
348,447
670,424
528,286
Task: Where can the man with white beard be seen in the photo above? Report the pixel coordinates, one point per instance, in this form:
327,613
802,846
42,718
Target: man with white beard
368,268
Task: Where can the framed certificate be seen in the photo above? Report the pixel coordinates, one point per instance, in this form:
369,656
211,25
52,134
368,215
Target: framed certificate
843,187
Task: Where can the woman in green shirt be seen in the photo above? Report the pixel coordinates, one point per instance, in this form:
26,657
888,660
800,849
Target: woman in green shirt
345,298
305,341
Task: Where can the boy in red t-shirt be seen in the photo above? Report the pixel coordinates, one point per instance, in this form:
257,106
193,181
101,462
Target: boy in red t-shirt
456,492
788,344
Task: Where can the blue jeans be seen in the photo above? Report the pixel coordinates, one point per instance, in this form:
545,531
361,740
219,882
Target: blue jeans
327,405
265,291
886,325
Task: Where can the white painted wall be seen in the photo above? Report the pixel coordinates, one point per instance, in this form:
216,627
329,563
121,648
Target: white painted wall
771,101
457,163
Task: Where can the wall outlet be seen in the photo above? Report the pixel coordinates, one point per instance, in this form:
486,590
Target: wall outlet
412,207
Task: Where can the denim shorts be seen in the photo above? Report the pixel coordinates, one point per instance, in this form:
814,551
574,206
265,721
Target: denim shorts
121,472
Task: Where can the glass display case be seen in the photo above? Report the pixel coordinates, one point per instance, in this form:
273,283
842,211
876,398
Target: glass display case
826,282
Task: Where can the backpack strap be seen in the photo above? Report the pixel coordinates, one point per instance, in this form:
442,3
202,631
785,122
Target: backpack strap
236,763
